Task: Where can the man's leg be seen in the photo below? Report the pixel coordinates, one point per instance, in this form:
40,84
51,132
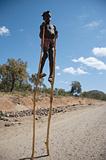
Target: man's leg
51,62
44,57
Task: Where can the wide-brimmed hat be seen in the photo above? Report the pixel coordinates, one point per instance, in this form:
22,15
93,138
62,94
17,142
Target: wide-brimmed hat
46,13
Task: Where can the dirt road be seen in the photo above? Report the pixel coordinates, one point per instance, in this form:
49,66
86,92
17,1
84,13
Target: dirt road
76,135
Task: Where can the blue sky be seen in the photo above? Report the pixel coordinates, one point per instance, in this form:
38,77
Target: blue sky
81,45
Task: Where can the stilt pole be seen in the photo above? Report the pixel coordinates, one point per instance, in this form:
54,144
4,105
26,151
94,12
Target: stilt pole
51,102
35,97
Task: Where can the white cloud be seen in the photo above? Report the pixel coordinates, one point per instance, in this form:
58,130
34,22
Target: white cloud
72,70
58,74
4,31
92,62
100,73
93,24
64,82
99,51
58,67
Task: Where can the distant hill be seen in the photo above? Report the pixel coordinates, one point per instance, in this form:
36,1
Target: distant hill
96,94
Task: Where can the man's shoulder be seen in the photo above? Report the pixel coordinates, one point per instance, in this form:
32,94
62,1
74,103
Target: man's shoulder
52,25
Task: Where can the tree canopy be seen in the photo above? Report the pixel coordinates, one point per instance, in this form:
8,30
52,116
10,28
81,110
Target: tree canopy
11,73
75,88
94,94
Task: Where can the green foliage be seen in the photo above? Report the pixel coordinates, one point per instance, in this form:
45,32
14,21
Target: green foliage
75,88
61,92
46,90
12,74
94,94
25,86
33,80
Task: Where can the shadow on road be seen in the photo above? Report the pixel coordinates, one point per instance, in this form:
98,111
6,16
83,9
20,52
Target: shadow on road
34,157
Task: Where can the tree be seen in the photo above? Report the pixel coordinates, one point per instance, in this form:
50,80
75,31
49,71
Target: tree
33,80
75,88
61,92
11,72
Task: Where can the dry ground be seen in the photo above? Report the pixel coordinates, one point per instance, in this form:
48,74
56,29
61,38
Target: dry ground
76,135
18,102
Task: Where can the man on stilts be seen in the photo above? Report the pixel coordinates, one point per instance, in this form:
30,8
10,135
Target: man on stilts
48,35
47,44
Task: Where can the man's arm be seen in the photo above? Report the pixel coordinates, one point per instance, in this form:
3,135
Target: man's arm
41,33
56,32
41,30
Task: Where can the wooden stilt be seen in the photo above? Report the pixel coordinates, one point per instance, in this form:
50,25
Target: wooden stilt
34,99
51,102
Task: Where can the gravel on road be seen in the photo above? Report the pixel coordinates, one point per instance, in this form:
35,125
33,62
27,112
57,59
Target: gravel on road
75,135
